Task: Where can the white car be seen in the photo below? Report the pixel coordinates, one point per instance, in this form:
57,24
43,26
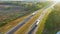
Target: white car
38,21
34,13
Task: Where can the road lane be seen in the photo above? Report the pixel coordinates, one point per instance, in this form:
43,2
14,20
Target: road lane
33,28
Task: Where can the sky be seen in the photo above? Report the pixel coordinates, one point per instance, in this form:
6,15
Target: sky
27,0
21,0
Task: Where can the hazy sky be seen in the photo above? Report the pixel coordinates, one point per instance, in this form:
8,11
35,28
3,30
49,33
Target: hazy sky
21,0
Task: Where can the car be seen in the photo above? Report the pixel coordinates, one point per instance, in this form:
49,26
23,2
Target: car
37,22
34,13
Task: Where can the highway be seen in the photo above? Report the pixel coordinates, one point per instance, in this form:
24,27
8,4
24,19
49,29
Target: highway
21,23
34,26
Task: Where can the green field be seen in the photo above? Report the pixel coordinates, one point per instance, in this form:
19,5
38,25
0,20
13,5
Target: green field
52,24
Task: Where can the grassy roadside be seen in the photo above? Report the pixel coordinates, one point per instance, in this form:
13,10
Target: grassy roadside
26,26
52,25
41,25
11,24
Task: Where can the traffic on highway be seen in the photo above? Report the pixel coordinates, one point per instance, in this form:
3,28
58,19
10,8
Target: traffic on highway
29,17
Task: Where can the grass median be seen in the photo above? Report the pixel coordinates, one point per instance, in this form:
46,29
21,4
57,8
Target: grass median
41,25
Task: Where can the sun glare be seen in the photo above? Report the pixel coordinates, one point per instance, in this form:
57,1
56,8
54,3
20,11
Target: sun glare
56,0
